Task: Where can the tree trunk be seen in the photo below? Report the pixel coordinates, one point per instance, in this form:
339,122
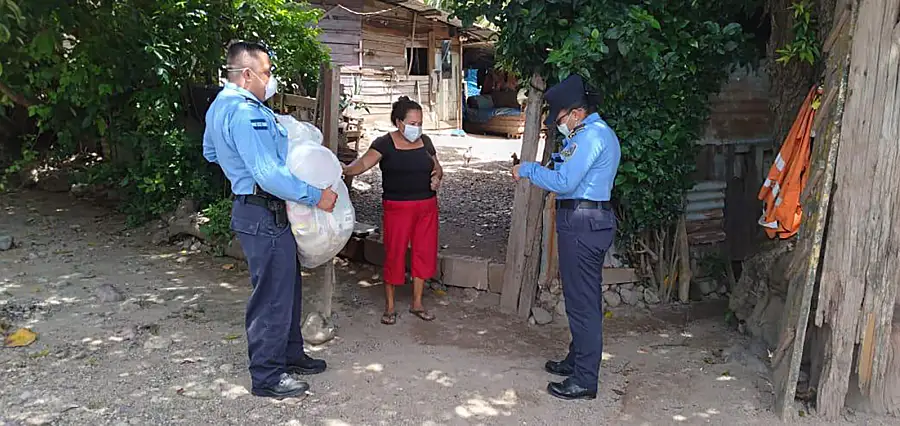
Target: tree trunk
523,251
862,254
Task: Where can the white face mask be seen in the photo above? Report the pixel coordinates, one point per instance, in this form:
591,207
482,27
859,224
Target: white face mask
412,133
564,127
271,85
271,88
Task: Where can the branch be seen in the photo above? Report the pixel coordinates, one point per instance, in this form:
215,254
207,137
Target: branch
17,98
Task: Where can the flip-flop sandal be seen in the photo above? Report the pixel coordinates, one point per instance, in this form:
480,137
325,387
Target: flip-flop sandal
389,318
422,314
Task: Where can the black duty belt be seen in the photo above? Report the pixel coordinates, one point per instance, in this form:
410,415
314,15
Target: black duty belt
268,201
583,204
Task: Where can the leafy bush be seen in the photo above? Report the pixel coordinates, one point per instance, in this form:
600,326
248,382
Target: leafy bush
114,76
655,63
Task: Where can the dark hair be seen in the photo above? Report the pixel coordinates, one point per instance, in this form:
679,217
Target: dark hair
589,101
238,49
403,106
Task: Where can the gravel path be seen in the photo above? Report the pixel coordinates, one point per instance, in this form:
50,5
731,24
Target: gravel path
131,334
475,199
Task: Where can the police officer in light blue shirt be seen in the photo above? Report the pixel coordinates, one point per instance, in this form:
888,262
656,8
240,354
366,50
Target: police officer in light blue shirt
243,138
582,178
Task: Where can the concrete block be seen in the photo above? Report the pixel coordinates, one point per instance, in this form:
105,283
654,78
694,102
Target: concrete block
354,250
495,277
465,271
619,276
373,251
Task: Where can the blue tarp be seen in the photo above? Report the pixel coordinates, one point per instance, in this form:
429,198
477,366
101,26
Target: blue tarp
472,88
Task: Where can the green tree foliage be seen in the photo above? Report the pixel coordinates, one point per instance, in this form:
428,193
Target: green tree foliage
655,63
114,76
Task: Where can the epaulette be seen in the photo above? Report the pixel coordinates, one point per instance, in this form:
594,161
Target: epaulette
578,129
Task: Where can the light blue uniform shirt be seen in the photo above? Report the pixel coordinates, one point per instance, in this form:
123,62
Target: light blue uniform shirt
243,138
587,170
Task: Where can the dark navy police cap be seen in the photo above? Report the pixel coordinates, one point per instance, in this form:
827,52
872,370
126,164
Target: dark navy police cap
565,94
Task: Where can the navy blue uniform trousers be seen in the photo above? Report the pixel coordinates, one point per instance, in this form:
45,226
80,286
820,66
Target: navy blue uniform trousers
273,311
585,235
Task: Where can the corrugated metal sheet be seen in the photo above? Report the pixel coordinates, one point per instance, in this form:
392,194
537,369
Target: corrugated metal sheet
705,212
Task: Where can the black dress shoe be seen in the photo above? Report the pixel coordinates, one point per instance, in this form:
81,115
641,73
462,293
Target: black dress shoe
307,365
559,368
568,389
287,387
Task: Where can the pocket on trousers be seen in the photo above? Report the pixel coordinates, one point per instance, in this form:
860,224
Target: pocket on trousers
601,224
244,226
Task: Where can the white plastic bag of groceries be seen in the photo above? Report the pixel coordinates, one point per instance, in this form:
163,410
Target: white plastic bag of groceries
320,235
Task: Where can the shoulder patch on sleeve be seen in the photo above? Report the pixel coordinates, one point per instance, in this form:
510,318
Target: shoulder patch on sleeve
259,124
569,151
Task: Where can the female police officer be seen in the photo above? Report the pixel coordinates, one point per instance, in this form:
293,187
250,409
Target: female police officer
582,178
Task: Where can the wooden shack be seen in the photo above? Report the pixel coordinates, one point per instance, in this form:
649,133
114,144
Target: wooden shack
387,49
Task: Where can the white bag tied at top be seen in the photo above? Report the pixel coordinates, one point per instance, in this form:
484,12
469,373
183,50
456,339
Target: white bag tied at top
320,235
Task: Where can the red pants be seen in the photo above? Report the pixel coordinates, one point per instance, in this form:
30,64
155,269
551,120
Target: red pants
405,223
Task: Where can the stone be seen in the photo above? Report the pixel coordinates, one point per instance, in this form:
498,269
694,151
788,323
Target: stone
546,299
127,333
6,242
629,297
555,286
61,284
226,368
465,271
40,419
706,286
723,289
495,277
612,299
156,342
470,294
561,307
199,392
79,189
627,286
651,297
57,182
541,316
108,293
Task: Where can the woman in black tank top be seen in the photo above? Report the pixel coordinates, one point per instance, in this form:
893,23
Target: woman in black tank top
411,176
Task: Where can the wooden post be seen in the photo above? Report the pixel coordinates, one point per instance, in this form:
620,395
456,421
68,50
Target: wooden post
523,255
683,248
317,296
858,287
788,355
461,84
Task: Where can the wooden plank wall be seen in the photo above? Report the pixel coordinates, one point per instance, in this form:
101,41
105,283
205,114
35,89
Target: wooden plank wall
341,30
371,47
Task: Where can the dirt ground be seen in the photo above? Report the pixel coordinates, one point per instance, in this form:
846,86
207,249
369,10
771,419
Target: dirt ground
131,334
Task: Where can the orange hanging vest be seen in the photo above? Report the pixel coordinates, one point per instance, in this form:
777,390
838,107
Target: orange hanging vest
781,191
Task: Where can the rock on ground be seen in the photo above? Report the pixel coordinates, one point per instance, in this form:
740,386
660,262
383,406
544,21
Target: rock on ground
6,242
611,298
629,296
541,316
108,293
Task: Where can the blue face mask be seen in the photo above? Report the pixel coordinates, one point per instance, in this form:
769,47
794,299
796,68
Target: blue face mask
412,133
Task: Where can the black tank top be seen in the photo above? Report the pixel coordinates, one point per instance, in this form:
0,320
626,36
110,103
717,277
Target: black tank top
405,173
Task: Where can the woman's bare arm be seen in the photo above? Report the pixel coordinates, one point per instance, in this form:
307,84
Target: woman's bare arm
363,164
